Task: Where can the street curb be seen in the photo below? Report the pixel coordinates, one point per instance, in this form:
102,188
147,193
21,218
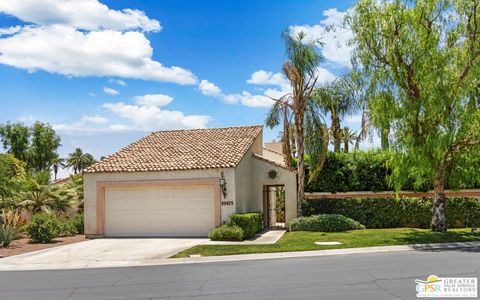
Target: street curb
241,257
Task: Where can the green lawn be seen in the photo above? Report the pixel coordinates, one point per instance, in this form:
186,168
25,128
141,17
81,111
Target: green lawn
302,241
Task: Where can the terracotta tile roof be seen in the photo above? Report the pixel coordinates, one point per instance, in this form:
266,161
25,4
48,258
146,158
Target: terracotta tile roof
182,150
259,157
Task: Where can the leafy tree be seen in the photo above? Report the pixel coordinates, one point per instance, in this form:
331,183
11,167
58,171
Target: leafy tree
338,99
12,172
15,139
311,134
43,149
428,55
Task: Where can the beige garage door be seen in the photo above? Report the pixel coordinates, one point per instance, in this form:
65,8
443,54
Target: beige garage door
159,211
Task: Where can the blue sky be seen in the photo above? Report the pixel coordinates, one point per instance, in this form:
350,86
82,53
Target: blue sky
86,66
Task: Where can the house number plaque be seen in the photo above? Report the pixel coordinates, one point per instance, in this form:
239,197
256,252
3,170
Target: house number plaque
227,202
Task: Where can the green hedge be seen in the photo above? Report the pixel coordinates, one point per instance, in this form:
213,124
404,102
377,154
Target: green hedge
226,233
392,212
251,223
368,171
324,223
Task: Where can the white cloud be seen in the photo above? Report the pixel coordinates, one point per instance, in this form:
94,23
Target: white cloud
110,91
10,30
267,78
117,81
92,94
82,14
209,89
93,119
324,76
148,118
64,50
153,99
335,49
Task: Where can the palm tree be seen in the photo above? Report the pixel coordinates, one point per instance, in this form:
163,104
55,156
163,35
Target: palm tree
338,99
280,111
57,163
79,160
311,134
348,137
40,196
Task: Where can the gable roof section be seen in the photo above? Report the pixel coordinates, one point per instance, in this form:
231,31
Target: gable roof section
182,150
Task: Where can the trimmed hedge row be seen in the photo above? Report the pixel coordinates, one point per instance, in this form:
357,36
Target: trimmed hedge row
368,171
226,233
324,223
250,223
397,212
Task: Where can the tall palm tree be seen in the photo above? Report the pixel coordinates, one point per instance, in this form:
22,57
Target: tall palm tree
337,98
311,134
348,137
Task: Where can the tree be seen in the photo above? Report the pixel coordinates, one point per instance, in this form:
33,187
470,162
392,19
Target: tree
311,134
57,163
348,138
338,99
43,149
280,112
12,173
77,160
428,55
15,139
40,196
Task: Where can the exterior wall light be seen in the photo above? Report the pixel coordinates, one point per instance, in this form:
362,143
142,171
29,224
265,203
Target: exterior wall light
223,184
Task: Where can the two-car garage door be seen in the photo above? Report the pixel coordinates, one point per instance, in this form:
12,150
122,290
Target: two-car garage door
159,211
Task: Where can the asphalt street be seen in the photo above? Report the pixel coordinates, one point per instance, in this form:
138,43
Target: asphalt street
357,276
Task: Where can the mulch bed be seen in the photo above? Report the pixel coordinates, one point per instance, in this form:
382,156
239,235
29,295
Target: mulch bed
24,245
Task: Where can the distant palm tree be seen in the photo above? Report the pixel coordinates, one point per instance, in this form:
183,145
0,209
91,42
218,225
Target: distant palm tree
56,164
349,137
77,160
337,98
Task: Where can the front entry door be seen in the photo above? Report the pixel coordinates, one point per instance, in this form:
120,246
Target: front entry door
274,206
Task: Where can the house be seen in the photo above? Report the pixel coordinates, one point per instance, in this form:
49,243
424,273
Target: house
187,182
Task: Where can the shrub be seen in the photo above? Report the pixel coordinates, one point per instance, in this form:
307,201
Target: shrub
66,227
226,233
250,223
397,212
42,228
77,222
7,235
324,223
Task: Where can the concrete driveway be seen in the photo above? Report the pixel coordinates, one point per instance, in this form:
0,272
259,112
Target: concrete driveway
101,253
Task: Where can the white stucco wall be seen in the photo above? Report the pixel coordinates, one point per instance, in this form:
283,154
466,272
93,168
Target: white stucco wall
90,181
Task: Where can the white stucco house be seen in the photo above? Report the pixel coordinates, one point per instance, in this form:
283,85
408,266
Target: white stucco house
187,182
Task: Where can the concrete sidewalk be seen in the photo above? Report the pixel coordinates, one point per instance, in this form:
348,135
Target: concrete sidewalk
264,238
12,265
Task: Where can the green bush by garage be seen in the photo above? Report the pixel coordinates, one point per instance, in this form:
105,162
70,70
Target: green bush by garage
251,223
239,228
397,212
